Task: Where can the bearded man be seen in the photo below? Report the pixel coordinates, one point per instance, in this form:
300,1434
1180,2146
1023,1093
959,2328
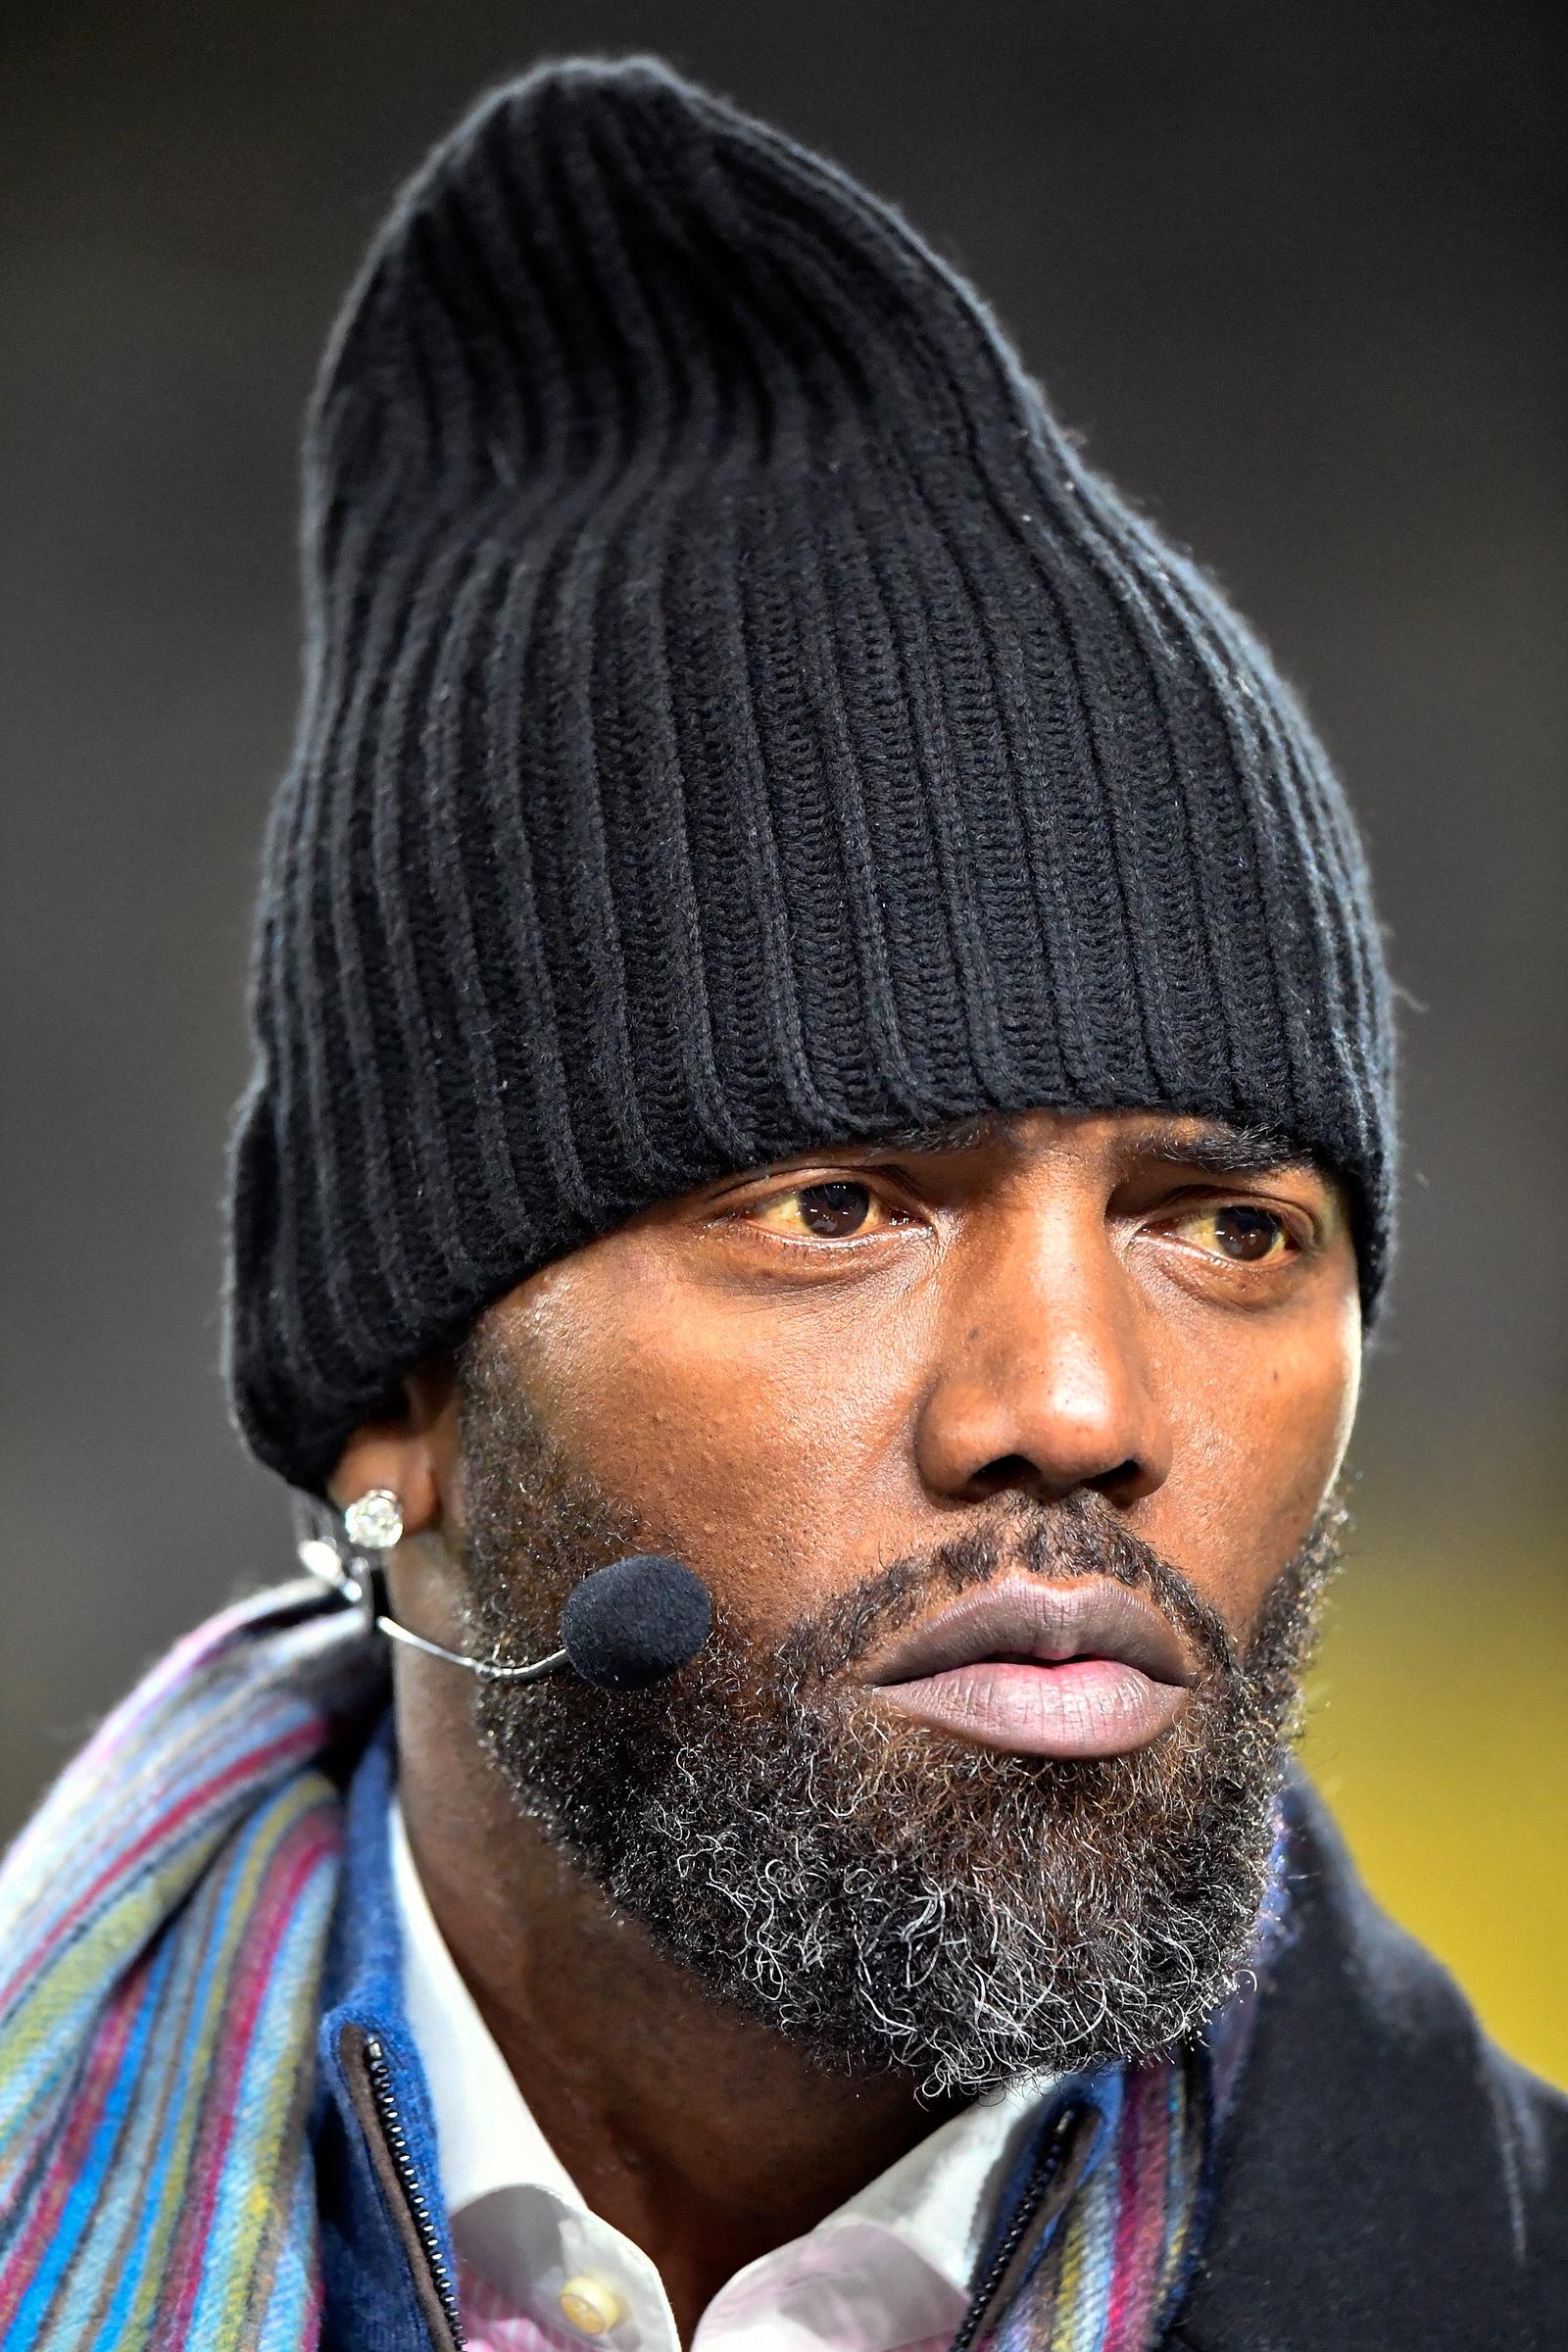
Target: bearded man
822,1117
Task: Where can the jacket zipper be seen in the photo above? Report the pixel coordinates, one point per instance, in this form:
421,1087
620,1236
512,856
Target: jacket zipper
380,2076
1036,2191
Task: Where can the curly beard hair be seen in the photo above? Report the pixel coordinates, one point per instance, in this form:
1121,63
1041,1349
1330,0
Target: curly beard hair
889,1900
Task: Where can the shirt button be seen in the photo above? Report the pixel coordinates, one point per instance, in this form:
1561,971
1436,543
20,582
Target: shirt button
590,2306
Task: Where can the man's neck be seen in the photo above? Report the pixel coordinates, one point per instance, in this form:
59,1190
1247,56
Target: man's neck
704,2137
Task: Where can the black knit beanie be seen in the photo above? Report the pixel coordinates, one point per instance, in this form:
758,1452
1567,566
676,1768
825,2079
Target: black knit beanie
735,718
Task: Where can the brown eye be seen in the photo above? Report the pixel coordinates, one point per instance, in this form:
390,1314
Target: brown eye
1247,1234
836,1210
1244,1233
833,1211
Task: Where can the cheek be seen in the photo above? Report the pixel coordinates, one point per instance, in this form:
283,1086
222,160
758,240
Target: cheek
753,1443
1260,1437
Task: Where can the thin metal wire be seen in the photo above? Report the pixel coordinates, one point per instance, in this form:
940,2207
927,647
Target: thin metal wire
535,1673
325,1553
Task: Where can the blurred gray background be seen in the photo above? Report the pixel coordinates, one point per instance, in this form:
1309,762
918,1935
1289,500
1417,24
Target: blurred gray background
1296,270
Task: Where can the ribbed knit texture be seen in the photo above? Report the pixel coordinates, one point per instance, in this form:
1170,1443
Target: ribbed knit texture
735,718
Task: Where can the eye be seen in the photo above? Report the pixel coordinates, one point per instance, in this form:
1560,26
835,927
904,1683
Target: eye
838,1211
1239,1230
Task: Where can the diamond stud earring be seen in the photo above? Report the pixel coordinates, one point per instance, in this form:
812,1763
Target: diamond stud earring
374,1522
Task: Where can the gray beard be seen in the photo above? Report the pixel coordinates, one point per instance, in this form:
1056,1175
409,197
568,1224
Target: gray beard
889,1901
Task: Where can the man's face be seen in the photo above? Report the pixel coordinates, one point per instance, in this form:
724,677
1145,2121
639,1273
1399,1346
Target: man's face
1005,1460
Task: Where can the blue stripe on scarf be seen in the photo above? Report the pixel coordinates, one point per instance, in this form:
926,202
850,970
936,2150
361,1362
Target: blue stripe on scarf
78,2211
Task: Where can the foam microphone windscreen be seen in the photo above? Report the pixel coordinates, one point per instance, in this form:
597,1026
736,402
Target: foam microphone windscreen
632,1623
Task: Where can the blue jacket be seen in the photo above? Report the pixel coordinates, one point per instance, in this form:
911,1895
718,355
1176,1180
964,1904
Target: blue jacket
386,2246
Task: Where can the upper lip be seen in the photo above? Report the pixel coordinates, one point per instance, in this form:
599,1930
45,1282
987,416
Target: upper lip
1017,1617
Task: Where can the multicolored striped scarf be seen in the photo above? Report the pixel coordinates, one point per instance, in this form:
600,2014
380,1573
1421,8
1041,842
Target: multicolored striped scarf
1111,2272
163,1921
163,1924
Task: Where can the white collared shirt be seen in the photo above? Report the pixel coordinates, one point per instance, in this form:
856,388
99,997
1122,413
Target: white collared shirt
889,2270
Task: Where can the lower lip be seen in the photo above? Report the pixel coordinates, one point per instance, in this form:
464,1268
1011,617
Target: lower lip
1083,1708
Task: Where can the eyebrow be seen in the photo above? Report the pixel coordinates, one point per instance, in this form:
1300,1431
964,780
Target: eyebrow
1217,1145
951,1135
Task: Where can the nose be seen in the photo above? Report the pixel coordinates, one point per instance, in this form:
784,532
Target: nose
1043,1382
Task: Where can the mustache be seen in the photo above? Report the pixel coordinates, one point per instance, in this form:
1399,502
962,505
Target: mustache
1059,1543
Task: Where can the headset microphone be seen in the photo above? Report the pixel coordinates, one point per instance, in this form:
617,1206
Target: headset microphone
632,1623
624,1627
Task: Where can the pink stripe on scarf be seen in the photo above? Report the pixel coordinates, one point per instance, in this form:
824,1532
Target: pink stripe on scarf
99,2076
306,1739
1141,2208
315,1840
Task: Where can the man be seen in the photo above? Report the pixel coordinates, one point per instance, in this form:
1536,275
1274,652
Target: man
818,1018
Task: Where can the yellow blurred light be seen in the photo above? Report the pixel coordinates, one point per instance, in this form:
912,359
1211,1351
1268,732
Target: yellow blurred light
1438,1733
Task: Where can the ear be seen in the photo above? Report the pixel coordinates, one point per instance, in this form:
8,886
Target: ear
412,1450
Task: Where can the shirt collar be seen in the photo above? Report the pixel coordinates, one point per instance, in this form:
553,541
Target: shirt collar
486,2133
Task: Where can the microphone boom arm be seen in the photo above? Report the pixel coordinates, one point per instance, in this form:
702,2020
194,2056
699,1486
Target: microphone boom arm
357,1584
491,1672
624,1625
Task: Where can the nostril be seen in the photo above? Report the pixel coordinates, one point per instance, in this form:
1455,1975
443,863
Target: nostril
1125,1484
1007,1470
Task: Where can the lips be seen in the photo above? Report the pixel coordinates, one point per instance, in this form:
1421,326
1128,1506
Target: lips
1088,1669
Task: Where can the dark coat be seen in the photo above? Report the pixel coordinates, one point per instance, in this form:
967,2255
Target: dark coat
1388,2182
